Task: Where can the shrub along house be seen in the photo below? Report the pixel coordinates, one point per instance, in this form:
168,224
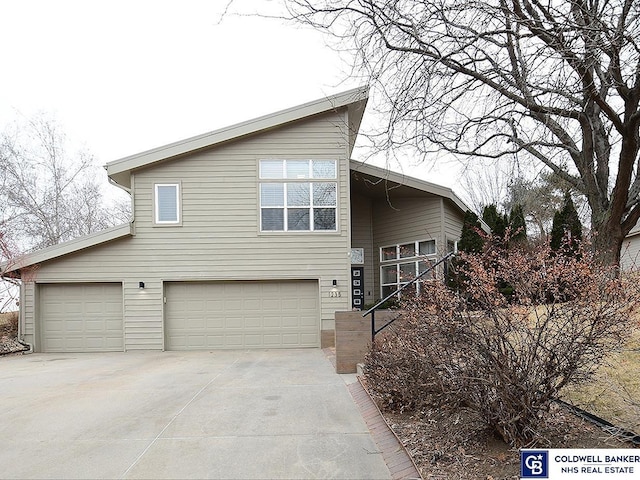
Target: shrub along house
251,236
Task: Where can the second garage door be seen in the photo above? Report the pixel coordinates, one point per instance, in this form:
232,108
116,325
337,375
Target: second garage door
260,314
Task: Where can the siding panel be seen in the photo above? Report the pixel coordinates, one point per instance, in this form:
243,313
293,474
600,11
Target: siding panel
219,238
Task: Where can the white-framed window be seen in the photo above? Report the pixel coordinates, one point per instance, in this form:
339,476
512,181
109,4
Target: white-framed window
298,195
167,203
401,263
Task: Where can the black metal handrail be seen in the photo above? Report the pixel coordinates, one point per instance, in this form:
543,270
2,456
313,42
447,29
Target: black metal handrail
373,309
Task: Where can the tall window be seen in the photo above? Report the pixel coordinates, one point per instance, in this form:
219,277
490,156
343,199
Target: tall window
298,195
399,264
167,203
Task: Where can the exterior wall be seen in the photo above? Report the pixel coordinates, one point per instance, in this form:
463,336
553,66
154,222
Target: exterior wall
405,220
453,218
27,311
219,238
362,237
630,253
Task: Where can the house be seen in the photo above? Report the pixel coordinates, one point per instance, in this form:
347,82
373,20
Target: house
630,251
251,236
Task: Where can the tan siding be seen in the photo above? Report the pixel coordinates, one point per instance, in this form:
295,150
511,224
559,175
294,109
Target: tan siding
219,238
452,221
405,220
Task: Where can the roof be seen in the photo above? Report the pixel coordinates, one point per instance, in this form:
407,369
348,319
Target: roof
355,100
403,185
634,231
66,248
394,179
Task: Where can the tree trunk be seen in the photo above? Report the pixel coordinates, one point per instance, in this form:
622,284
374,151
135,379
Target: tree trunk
607,243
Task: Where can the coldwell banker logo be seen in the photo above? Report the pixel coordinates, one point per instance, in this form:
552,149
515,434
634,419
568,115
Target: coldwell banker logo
534,464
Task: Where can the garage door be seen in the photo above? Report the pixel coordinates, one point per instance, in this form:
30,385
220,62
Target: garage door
81,317
211,315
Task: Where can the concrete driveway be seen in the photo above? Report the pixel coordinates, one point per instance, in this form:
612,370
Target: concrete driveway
222,414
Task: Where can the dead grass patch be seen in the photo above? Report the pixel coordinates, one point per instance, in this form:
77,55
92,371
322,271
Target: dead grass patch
614,392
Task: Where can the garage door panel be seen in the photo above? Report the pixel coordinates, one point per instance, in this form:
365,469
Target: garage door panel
80,317
242,315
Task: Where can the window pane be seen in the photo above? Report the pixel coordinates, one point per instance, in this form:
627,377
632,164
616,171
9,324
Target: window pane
408,250
272,195
298,194
271,168
388,253
410,290
324,219
389,274
167,203
273,219
298,219
324,169
427,248
386,291
297,168
423,266
407,271
324,194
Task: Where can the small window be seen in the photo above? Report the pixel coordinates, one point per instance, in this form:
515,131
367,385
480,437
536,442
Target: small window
388,253
427,247
407,250
167,204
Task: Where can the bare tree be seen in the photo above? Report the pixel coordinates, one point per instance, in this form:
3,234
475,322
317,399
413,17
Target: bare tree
48,194
8,287
554,82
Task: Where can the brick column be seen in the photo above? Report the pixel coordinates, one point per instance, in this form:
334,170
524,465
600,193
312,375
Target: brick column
353,337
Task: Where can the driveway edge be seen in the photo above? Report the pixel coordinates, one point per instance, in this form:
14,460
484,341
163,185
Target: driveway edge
400,464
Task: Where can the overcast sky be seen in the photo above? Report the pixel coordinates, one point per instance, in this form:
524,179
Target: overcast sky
124,76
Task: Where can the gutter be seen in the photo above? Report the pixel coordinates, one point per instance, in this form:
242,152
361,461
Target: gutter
21,321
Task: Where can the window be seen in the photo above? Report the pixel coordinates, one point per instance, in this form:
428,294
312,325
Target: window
403,262
297,195
167,203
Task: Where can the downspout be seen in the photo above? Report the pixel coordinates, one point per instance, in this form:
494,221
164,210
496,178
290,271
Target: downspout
21,320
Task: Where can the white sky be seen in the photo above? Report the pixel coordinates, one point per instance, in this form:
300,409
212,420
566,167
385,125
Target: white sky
124,76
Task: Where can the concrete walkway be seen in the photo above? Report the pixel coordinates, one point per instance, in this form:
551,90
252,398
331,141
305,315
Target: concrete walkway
222,414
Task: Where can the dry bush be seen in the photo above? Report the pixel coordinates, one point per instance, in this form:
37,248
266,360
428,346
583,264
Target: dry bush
13,321
505,357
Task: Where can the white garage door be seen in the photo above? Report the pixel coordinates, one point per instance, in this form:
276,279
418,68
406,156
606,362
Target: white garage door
81,317
211,315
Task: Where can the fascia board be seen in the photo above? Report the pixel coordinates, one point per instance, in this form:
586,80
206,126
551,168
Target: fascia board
205,140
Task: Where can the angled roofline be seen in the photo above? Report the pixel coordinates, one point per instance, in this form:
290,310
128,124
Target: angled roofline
355,99
66,248
412,182
634,231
